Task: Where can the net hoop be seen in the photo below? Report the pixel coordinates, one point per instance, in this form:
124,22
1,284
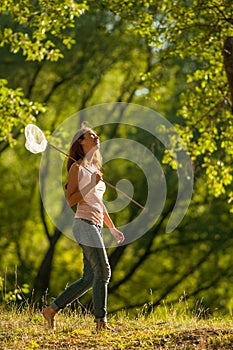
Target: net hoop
35,139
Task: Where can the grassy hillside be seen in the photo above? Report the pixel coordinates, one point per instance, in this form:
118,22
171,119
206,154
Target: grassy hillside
26,330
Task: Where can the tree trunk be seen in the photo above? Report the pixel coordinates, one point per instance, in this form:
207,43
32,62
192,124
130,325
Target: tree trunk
42,280
228,63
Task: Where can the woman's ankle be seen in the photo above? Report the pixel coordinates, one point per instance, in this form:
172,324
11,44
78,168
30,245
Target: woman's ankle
49,314
102,325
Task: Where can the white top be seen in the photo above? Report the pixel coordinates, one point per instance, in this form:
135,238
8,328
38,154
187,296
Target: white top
91,206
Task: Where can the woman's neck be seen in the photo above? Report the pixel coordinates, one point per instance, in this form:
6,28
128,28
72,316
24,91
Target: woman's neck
89,156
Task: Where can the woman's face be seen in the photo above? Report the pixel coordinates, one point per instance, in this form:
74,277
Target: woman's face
90,141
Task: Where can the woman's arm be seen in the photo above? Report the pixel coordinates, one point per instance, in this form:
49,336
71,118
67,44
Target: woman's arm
114,231
73,194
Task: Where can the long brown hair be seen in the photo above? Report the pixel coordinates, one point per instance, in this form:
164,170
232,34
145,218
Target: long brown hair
76,152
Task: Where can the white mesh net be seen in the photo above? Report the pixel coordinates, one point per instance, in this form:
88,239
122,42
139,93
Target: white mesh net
35,139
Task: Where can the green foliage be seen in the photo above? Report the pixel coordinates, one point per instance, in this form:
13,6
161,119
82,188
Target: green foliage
16,111
34,28
41,23
196,33
139,14
16,295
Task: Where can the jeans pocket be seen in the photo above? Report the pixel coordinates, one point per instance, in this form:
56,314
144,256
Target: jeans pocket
87,234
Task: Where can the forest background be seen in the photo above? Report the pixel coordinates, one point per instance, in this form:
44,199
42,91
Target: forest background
175,57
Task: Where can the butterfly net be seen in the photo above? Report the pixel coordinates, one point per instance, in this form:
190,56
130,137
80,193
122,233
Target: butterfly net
35,139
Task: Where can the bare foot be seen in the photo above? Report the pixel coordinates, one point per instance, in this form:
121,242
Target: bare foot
101,326
49,314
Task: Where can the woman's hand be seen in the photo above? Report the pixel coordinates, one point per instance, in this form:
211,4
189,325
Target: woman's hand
117,234
95,178
114,231
73,193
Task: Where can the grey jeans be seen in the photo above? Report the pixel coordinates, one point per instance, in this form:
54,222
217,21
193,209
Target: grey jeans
96,272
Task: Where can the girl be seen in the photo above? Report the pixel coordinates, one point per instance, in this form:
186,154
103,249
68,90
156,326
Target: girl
86,188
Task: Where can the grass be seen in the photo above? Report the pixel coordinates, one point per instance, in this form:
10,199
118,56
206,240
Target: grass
25,329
